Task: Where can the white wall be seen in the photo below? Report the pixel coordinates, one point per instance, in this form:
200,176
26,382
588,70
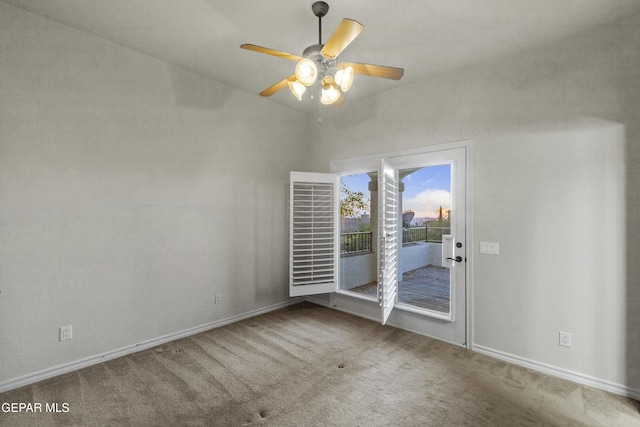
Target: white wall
358,270
420,255
131,192
556,151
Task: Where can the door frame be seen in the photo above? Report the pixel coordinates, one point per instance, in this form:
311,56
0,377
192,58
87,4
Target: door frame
345,301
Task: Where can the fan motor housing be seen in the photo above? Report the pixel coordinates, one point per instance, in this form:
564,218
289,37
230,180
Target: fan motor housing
314,54
313,51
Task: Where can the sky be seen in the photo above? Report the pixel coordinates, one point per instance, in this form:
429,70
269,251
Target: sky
425,189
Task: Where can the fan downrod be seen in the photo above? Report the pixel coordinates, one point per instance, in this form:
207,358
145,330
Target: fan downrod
320,9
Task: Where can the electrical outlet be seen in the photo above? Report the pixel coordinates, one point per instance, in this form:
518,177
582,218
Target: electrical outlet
217,299
565,339
65,333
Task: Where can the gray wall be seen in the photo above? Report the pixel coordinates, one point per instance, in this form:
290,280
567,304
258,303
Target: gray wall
131,192
556,151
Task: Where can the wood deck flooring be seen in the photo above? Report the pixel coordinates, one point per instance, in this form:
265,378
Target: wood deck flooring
426,287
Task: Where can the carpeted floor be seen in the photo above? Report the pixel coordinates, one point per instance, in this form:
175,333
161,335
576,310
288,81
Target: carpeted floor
311,366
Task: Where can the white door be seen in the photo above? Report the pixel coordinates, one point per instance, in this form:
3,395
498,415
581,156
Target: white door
315,243
444,269
314,236
388,252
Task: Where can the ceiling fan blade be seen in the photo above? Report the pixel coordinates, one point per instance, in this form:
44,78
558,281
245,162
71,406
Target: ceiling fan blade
392,73
346,32
273,52
280,85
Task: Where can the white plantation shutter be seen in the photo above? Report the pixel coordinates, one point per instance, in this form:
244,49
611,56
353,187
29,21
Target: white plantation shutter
314,235
388,284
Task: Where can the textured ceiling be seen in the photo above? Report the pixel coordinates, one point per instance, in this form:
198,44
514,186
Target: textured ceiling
424,37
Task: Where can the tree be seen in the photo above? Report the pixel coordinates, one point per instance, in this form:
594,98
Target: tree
352,202
443,216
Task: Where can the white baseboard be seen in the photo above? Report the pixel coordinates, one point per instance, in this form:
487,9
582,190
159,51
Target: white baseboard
566,374
134,348
103,357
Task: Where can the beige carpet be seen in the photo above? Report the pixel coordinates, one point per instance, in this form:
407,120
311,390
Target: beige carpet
311,366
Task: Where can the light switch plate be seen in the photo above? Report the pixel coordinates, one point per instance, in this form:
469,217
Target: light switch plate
491,248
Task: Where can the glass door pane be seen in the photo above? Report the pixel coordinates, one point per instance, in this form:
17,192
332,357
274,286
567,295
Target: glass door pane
358,269
425,279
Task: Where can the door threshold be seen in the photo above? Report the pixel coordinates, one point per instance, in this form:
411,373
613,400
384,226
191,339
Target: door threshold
425,312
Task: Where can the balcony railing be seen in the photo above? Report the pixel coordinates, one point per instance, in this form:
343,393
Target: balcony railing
360,241
424,234
356,242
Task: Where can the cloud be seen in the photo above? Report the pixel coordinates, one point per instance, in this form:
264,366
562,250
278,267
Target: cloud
427,202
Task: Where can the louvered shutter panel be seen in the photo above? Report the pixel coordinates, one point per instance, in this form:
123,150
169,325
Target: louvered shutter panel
314,239
388,286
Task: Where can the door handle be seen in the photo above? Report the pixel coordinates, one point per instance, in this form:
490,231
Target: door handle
456,259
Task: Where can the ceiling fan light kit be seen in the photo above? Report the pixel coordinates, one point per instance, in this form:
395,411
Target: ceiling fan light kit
297,88
306,72
330,91
344,78
319,62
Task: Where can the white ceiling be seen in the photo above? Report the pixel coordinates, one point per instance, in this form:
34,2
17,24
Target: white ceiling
424,37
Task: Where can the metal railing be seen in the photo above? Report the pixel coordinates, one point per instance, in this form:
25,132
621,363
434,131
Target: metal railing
360,241
424,234
355,242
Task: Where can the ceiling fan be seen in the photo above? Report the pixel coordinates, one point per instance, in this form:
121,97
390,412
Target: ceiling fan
319,61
